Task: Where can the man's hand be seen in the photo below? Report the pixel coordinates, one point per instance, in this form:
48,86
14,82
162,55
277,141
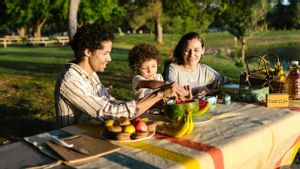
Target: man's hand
175,90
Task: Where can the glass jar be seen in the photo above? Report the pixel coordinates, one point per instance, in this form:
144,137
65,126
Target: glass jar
293,81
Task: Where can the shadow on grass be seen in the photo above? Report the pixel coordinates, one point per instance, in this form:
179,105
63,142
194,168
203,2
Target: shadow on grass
61,52
32,67
18,122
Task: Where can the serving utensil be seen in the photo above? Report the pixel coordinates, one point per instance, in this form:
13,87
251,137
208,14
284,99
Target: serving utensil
62,143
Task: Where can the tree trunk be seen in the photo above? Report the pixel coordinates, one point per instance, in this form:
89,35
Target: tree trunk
38,28
158,30
121,33
244,47
72,17
22,31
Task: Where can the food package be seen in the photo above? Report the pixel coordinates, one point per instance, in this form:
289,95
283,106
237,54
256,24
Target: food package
245,93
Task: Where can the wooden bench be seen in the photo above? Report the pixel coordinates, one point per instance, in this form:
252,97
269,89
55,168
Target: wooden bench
4,42
44,41
62,40
13,38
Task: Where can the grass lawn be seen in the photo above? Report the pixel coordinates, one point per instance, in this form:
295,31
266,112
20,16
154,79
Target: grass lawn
28,74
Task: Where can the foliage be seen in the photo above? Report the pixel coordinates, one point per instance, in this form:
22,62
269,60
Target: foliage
288,15
100,11
29,13
189,15
241,18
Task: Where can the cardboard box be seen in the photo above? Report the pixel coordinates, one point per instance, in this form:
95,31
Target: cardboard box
245,93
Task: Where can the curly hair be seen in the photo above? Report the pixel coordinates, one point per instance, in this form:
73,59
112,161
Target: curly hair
180,47
90,37
141,53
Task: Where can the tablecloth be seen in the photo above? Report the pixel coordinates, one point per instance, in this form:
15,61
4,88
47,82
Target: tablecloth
241,136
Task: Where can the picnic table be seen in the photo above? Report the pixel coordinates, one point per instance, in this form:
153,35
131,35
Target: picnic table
44,41
240,135
9,39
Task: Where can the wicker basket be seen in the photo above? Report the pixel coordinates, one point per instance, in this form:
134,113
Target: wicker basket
255,77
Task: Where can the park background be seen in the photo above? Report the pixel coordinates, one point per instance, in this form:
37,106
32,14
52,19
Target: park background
232,31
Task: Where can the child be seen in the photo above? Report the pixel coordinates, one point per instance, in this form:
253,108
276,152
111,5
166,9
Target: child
143,61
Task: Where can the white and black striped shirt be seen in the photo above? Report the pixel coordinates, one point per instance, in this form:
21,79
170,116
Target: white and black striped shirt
78,98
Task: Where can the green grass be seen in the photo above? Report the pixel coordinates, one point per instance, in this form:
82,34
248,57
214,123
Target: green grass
28,74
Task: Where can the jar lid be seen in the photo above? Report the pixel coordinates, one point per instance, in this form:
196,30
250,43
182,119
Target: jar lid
294,62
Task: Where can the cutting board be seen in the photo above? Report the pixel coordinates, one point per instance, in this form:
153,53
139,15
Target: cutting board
95,146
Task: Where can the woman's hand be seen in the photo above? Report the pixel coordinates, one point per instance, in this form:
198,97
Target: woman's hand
189,90
206,92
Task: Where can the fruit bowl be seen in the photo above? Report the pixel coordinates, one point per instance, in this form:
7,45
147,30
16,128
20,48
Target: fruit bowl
175,111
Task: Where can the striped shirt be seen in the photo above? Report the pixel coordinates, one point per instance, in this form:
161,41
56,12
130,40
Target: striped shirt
142,92
203,76
79,98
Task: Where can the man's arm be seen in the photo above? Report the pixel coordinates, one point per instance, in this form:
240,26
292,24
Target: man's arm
151,84
166,91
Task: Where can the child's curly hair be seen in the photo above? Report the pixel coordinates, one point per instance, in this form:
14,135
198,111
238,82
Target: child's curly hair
141,53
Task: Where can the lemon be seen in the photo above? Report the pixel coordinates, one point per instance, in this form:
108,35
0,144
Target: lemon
109,123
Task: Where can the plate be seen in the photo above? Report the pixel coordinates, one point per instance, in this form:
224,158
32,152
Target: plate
203,118
104,136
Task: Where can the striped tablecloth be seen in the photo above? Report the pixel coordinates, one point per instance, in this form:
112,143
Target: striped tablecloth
241,136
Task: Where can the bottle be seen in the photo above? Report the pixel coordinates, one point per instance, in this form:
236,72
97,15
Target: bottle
293,81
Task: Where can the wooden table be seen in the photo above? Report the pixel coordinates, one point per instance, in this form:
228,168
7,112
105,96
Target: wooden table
240,136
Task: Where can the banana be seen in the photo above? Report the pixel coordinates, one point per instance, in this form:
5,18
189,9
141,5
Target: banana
178,129
203,110
264,71
191,126
279,71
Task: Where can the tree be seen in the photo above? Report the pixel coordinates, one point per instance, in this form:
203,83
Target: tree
189,15
100,11
155,8
4,18
142,12
241,18
72,18
32,13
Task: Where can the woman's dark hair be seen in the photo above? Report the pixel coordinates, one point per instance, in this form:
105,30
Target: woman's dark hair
141,53
180,47
90,37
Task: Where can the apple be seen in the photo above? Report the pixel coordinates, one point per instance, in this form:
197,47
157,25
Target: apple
140,126
136,119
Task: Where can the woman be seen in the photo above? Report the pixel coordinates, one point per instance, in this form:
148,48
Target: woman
185,69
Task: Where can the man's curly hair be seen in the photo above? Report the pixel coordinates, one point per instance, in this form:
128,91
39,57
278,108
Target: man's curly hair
141,53
90,37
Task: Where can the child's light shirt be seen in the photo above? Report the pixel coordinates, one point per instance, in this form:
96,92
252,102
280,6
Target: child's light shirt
142,92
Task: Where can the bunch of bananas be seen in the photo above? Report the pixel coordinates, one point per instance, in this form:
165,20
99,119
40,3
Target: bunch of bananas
180,128
276,71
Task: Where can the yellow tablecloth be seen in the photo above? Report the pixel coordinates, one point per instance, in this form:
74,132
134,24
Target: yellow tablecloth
241,136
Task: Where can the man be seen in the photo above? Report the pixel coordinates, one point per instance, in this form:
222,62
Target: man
79,94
